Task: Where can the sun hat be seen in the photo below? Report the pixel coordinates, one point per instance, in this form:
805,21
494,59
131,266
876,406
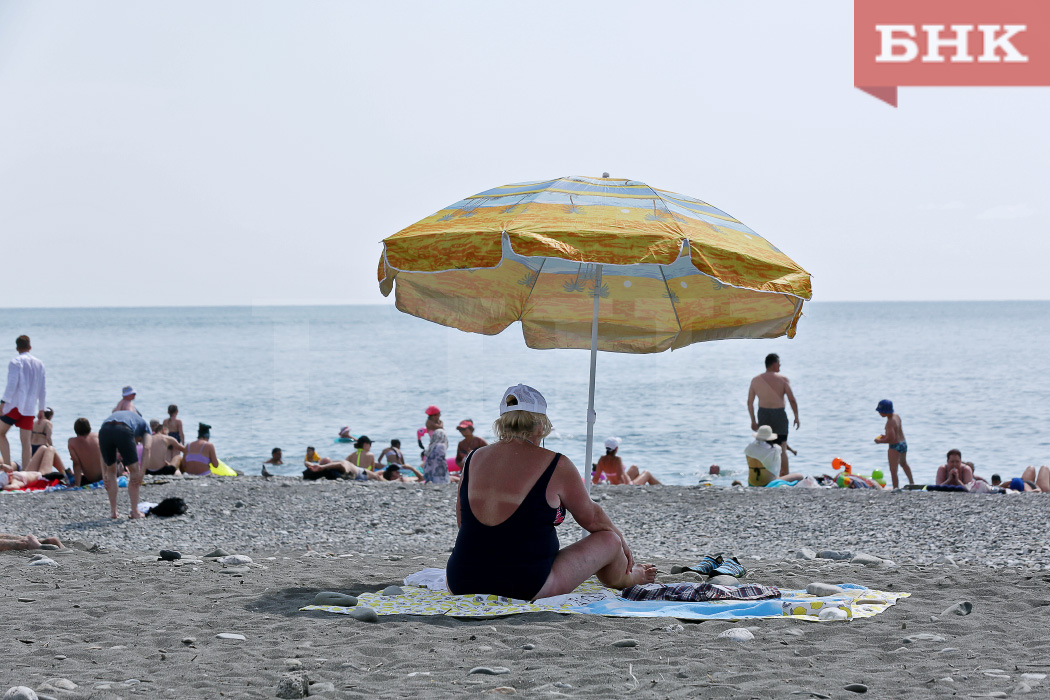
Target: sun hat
526,398
885,406
612,443
127,391
765,433
433,410
465,424
363,439
344,432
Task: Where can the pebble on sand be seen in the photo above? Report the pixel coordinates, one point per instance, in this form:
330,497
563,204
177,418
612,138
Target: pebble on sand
20,692
724,580
43,561
215,553
490,670
963,607
822,590
341,600
293,685
170,555
830,614
392,590
625,643
234,560
364,614
924,637
737,634
833,554
231,635
856,688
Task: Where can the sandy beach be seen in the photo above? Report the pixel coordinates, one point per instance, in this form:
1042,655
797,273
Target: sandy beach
113,621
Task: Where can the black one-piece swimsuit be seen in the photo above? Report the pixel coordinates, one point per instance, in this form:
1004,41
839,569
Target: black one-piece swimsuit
513,558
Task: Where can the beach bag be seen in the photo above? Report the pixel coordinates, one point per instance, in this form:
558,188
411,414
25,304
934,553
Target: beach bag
168,507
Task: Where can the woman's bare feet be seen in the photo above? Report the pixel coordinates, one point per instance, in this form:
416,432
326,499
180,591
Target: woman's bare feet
641,573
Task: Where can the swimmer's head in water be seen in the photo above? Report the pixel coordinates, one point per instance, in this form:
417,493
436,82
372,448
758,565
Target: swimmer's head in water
275,452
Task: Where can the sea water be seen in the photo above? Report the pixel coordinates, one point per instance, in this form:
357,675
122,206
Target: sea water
961,375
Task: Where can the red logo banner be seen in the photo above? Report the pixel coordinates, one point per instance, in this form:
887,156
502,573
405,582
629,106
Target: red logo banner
949,43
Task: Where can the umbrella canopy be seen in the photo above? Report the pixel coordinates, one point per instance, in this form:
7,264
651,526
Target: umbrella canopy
604,263
674,270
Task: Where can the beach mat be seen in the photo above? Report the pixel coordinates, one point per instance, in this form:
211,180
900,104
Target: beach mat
591,598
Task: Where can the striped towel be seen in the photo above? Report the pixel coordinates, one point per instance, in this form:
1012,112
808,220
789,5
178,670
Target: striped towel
697,592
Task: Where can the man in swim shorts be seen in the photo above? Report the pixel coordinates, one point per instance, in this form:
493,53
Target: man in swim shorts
893,436
771,388
23,401
117,438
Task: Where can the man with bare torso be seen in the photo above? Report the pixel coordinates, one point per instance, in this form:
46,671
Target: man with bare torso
84,450
771,388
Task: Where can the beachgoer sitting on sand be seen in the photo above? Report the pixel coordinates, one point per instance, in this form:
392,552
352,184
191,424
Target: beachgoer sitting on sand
200,454
469,443
955,473
313,458
10,543
166,455
42,428
392,454
1028,481
512,496
84,451
610,466
763,459
173,424
362,457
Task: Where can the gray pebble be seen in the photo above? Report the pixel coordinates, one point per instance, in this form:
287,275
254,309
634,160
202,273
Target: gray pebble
822,590
322,688
528,647
836,555
20,692
332,598
392,590
560,684
625,643
364,614
60,684
50,547
188,640
946,560
490,670
231,635
924,637
234,560
866,560
293,685
856,688
737,634
215,553
724,580
169,555
963,607
43,561
805,553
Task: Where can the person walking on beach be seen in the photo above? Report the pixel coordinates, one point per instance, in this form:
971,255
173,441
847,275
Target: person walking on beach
24,400
469,443
116,439
771,388
127,402
85,453
894,437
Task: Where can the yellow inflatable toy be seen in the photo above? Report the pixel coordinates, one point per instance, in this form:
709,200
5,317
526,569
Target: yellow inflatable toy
222,469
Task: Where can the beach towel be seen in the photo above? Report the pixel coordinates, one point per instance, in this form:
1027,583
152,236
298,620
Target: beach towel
592,598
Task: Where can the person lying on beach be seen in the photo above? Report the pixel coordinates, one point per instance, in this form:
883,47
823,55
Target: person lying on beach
166,455
200,454
337,469
84,451
512,496
763,459
897,454
12,479
392,454
610,466
116,441
393,473
1029,481
12,543
955,472
173,424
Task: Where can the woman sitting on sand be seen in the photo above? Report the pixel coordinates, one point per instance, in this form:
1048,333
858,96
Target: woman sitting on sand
511,496
200,454
611,467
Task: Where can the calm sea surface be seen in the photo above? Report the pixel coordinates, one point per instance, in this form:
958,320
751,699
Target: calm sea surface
966,375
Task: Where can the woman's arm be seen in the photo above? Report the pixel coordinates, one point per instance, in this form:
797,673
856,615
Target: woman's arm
588,514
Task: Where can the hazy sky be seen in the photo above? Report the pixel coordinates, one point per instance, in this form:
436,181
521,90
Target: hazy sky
257,152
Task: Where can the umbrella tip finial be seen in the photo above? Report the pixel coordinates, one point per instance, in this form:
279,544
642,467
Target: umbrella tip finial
605,174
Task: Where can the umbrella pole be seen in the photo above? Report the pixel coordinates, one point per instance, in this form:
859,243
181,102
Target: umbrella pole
594,362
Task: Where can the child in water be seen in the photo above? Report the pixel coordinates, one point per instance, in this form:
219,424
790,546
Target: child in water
894,437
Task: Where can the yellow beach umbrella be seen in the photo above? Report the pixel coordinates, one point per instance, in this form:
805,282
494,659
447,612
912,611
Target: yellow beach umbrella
600,263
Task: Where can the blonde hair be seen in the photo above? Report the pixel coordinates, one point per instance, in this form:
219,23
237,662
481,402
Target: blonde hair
521,424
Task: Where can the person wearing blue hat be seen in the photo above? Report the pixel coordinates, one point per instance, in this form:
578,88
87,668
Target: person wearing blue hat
897,454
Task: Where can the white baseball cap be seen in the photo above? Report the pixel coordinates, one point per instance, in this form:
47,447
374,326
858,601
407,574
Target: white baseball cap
612,443
526,398
127,391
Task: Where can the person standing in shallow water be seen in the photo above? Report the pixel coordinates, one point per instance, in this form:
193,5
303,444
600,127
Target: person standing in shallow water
771,388
24,400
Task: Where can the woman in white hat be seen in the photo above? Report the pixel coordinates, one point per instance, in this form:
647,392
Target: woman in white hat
763,459
610,466
512,495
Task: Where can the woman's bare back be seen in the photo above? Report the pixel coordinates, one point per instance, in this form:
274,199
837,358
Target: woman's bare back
501,475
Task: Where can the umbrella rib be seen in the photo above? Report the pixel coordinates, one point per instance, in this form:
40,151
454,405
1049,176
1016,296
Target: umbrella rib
670,298
532,289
